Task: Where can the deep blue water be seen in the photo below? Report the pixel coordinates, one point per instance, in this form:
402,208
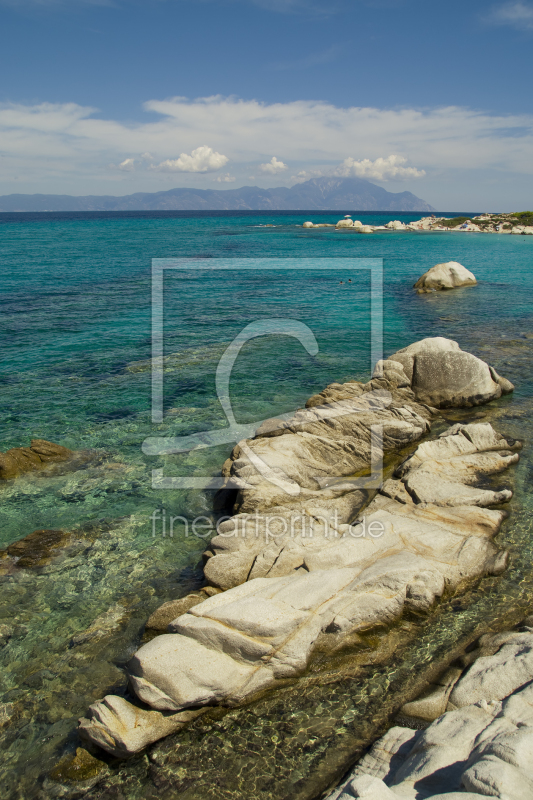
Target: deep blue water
75,315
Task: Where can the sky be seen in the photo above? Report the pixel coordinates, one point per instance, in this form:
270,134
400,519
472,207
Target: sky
121,96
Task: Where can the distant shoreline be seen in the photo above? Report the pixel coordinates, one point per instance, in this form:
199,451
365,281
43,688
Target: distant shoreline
516,222
8,216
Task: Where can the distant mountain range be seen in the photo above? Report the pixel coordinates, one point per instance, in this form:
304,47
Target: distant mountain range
320,194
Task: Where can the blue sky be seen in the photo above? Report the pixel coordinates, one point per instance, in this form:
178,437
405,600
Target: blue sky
105,96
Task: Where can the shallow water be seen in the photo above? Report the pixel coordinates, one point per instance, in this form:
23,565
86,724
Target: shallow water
75,322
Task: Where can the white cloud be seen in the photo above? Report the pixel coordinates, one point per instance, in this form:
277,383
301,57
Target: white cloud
128,165
226,178
274,167
518,15
66,148
203,159
379,170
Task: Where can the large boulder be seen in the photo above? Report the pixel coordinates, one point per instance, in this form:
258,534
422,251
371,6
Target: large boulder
449,275
442,375
295,475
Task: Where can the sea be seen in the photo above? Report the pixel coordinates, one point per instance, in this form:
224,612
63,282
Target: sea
77,327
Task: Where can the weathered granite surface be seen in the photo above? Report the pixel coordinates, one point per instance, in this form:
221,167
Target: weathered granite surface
481,747
441,374
301,567
449,275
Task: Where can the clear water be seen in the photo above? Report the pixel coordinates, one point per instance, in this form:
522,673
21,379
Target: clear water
74,313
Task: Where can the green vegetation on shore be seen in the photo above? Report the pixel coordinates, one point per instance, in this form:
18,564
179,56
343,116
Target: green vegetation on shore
524,217
491,222
454,222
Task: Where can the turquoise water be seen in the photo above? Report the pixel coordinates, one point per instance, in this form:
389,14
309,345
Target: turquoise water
75,321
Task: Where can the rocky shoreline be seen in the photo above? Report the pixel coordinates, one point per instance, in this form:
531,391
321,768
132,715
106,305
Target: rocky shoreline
277,597
480,742
517,223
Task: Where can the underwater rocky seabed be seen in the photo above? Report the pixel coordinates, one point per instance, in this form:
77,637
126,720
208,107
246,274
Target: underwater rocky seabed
68,627
296,741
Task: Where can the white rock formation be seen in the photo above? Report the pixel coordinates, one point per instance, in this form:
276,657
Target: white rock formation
302,482
299,565
132,728
449,275
482,747
396,225
349,223
424,224
239,642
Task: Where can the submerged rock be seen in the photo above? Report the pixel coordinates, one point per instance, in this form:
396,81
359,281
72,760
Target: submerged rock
20,460
37,548
449,275
104,625
81,766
